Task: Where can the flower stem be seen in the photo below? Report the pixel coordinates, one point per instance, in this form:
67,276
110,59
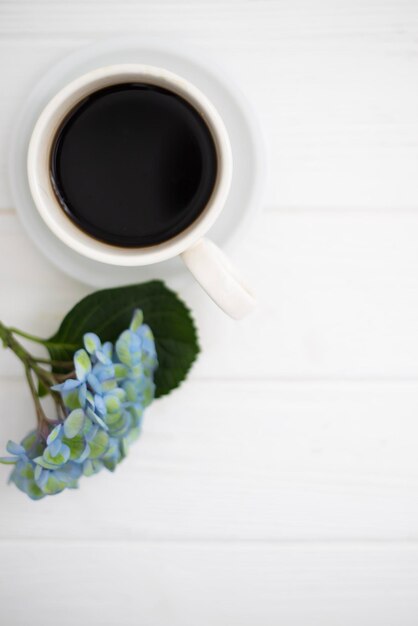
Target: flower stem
63,364
59,406
32,366
10,342
16,331
43,423
61,378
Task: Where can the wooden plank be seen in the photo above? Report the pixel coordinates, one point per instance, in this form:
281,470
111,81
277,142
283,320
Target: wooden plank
373,17
334,85
338,298
214,584
27,282
30,60
244,461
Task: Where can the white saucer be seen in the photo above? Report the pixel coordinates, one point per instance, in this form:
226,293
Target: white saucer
245,136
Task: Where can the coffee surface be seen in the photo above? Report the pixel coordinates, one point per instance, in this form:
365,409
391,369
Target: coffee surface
133,165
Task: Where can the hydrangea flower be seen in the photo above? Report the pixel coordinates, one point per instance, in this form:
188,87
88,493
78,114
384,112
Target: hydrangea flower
104,405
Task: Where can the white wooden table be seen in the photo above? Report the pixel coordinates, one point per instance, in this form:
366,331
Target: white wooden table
279,486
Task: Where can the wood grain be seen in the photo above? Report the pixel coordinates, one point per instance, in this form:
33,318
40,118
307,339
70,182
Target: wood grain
243,461
338,299
334,83
191,584
278,486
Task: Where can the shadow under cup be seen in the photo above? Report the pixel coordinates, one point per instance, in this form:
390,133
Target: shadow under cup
133,164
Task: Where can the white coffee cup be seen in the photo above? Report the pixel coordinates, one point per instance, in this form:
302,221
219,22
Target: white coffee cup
204,259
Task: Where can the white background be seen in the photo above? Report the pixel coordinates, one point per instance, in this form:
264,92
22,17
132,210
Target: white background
279,485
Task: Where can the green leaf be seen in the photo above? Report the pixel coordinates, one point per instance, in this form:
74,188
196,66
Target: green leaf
42,389
108,312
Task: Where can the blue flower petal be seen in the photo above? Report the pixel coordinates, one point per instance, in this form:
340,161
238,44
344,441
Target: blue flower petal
82,395
41,476
70,384
8,460
136,371
55,447
71,469
99,405
91,342
15,448
109,385
103,358
104,372
94,383
41,461
107,349
74,423
38,471
67,385
104,405
112,403
82,364
54,434
128,348
65,452
92,432
84,455
137,320
95,418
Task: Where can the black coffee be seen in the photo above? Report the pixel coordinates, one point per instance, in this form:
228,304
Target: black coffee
133,165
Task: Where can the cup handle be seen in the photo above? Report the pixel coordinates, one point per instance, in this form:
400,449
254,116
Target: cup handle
215,274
